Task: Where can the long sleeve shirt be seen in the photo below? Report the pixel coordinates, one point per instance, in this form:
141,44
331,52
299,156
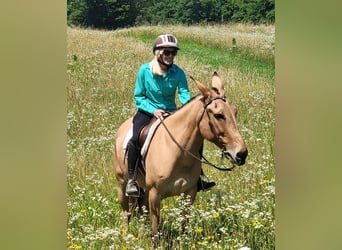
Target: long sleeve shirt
158,92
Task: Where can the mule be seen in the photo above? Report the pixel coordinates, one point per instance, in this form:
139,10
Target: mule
172,163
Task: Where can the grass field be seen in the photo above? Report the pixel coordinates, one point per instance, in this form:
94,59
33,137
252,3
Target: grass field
101,69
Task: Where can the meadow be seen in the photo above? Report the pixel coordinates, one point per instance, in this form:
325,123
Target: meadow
238,213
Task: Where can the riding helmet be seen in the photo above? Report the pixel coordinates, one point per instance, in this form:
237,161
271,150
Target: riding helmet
165,41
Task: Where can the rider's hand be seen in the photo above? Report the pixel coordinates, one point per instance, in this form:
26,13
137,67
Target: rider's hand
158,112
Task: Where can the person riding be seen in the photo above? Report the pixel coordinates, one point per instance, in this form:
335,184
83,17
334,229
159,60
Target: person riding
154,94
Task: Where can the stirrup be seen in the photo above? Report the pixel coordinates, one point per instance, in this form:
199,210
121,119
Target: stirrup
132,189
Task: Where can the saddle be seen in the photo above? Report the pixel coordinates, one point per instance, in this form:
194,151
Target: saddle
145,136
144,132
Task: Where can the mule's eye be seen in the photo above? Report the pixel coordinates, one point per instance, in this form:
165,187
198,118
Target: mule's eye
219,116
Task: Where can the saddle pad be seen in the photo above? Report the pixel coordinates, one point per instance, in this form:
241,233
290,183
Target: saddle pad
146,144
149,137
127,138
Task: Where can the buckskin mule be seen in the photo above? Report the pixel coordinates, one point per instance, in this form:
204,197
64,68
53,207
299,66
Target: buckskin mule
171,168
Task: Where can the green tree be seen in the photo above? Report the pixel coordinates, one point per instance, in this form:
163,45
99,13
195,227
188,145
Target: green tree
112,14
77,12
254,11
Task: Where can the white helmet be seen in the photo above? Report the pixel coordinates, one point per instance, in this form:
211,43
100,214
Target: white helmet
165,41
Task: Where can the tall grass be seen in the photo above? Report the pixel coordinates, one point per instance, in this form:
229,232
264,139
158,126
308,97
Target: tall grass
102,66
213,46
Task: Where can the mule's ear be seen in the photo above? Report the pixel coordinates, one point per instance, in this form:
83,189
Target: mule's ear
204,90
216,83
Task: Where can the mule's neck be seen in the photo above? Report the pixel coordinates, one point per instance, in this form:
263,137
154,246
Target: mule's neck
183,125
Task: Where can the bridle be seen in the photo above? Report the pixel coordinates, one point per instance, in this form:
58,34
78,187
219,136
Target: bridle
213,130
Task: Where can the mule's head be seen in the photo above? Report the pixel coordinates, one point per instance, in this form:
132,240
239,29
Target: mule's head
217,121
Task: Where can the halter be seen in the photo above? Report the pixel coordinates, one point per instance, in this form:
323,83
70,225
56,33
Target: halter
224,153
213,130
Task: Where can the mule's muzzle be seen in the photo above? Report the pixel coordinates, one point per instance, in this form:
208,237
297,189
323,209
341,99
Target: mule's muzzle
239,159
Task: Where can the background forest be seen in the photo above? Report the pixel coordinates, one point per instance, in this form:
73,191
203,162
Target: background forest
113,14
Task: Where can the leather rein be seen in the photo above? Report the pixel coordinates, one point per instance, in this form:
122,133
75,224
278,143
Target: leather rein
213,130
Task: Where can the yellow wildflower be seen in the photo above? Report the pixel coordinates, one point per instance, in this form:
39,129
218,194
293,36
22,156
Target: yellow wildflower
256,224
75,246
124,230
216,215
210,237
199,230
202,243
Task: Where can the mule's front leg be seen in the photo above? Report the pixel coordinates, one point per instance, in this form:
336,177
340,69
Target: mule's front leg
154,204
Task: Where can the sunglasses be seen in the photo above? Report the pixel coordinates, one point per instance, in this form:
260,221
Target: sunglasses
168,52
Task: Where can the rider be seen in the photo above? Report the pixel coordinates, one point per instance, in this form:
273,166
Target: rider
154,94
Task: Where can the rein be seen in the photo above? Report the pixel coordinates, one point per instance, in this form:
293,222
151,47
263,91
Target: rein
205,161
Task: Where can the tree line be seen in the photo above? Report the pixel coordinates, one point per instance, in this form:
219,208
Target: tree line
113,14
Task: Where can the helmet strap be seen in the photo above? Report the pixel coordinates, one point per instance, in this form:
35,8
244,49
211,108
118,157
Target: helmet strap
160,60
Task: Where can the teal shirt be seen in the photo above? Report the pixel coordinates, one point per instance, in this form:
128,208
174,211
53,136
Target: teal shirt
155,92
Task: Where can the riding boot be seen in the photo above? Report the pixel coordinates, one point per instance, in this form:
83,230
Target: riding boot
204,185
132,188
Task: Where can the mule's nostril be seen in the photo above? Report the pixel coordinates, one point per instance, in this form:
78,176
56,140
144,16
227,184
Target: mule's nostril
241,157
